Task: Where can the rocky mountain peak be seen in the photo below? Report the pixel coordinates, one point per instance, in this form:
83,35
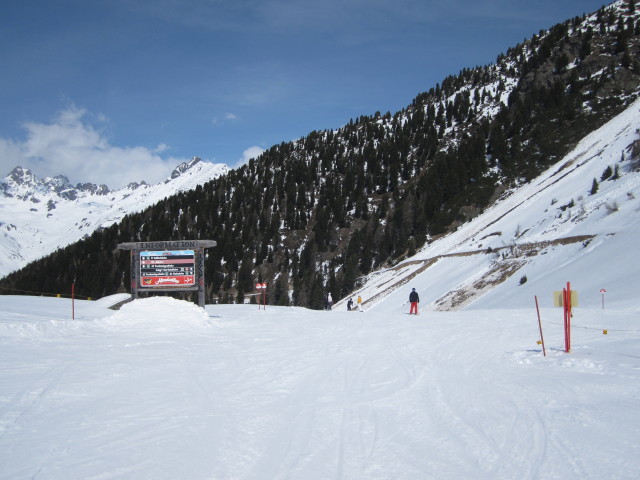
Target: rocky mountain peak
93,189
22,176
184,166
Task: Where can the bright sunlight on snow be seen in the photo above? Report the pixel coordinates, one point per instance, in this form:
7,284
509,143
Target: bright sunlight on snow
163,390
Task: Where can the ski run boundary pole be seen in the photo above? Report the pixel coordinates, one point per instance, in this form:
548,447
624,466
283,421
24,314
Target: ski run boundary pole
544,352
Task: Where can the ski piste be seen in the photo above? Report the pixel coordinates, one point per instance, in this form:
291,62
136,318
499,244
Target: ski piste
407,312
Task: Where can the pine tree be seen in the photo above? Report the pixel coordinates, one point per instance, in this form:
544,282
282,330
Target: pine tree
616,173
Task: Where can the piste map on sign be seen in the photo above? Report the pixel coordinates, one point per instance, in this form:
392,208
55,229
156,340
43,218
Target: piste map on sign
167,268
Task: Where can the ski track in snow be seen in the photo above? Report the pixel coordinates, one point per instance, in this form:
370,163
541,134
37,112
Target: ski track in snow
289,393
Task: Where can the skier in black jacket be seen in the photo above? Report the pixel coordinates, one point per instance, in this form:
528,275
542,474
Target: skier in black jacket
414,299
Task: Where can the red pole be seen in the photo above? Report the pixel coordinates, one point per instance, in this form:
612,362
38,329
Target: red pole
544,352
567,317
566,339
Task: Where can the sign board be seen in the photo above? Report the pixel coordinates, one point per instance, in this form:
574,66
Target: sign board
172,265
168,245
558,299
167,268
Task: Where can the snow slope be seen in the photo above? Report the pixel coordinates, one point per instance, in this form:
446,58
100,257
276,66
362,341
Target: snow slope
38,217
551,231
163,390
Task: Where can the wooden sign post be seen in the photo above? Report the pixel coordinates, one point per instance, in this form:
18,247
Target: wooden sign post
175,266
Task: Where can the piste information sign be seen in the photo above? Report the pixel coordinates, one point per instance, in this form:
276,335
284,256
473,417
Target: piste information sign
167,268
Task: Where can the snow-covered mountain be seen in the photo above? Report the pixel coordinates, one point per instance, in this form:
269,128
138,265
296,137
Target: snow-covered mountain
37,216
578,222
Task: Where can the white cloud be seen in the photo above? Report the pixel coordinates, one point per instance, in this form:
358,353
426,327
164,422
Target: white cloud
225,119
71,146
161,148
249,153
10,155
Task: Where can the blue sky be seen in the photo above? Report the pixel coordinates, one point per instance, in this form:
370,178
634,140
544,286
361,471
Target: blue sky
146,84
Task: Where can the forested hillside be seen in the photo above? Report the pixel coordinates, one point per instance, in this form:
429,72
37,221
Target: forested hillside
313,215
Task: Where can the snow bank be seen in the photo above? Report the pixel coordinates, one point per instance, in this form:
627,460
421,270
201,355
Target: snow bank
158,314
51,318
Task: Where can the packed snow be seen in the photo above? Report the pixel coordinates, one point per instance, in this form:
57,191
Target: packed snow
163,389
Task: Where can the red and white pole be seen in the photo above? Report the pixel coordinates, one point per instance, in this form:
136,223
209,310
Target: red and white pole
262,295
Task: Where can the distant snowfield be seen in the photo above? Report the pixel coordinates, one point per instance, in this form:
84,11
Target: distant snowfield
162,389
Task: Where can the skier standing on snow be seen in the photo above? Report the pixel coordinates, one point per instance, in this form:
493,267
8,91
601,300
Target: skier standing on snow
359,303
329,301
350,304
414,299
